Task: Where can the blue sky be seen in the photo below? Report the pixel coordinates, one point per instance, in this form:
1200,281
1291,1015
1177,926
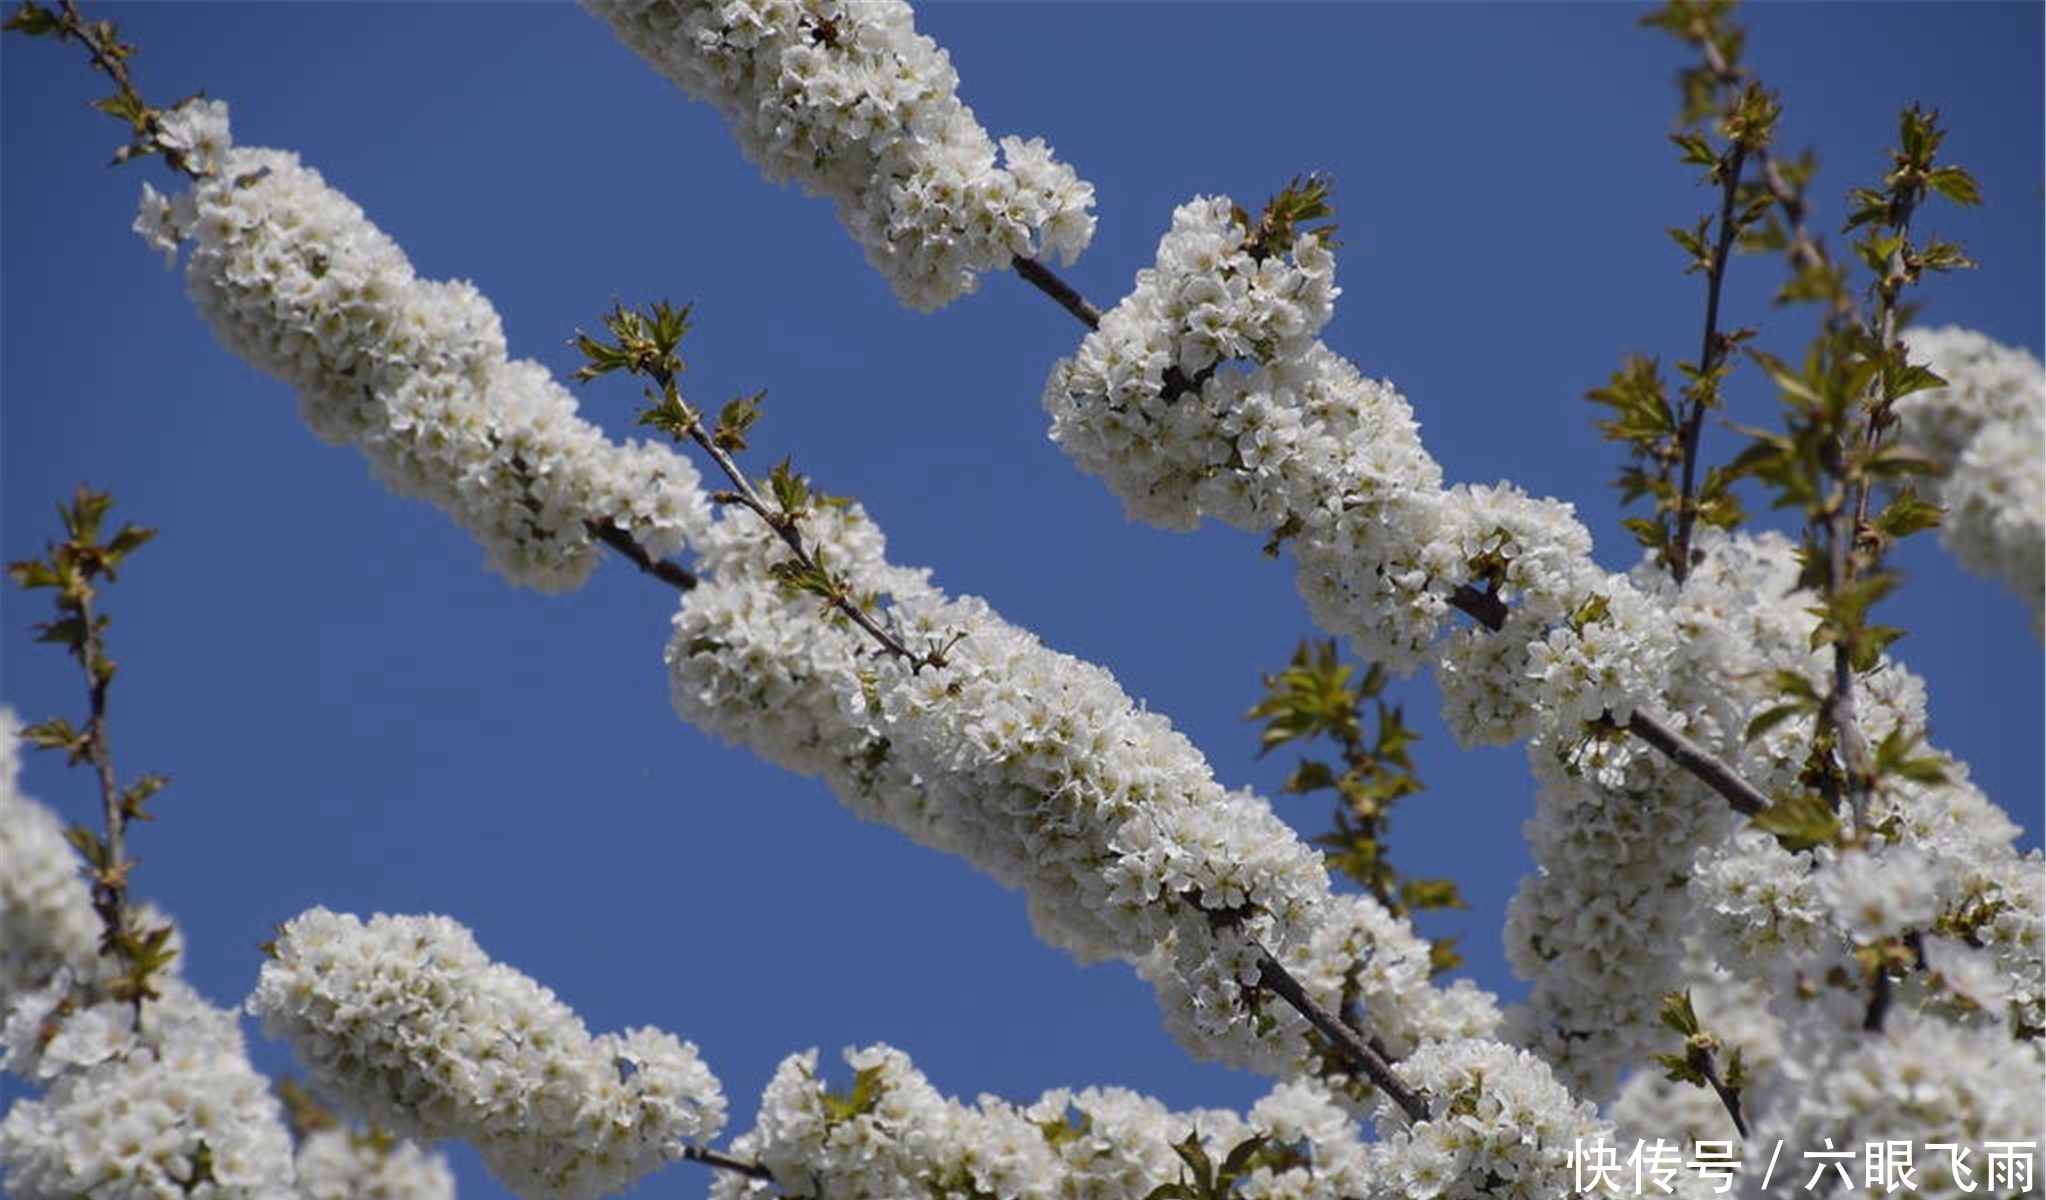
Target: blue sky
354,713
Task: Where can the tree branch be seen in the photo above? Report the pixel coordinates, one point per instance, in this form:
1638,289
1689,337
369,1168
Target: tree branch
1488,610
1353,1048
1712,352
725,1162
1040,276
672,574
1698,762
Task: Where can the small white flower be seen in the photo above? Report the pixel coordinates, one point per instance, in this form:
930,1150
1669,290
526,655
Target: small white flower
198,131
1875,896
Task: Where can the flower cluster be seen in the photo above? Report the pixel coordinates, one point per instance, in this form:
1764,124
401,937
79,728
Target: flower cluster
165,1107
847,99
1038,769
169,1108
340,1164
1601,929
295,280
1499,1125
46,920
1917,1080
892,1134
405,1021
1205,393
156,1101
1987,428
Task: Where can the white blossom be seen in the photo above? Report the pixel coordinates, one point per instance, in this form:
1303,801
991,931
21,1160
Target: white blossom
1916,1080
168,1109
196,131
1987,429
887,1131
406,1022
1038,769
845,98
47,924
341,1164
1499,1125
294,279
1873,896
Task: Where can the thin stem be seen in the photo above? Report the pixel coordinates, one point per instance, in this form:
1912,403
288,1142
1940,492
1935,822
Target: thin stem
672,574
110,881
1878,1002
1488,610
1356,1050
1486,607
1711,353
1729,1098
725,1162
1041,277
1698,762
785,528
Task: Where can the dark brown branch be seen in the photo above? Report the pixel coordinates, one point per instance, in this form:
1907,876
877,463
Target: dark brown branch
672,574
1353,1048
1729,1097
1713,350
725,1162
1040,277
1698,762
1488,610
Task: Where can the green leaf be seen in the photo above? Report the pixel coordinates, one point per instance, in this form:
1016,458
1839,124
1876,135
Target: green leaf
1304,199
34,20
1799,821
734,419
33,573
130,539
1678,1013
1425,894
1195,1156
89,846
1955,184
865,1095
1907,514
68,631
1770,718
139,793
1310,776
1594,609
1241,1156
1286,529
1696,151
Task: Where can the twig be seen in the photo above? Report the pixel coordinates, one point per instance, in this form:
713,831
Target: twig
725,1162
673,574
1698,762
1711,353
1355,1049
1488,610
1041,277
785,527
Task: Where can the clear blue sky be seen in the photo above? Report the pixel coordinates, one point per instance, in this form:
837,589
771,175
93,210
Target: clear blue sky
354,713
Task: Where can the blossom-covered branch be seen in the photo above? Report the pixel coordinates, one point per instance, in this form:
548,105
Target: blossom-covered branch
413,372
846,98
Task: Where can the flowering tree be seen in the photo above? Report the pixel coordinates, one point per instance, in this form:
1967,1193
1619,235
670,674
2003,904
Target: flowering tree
1768,910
